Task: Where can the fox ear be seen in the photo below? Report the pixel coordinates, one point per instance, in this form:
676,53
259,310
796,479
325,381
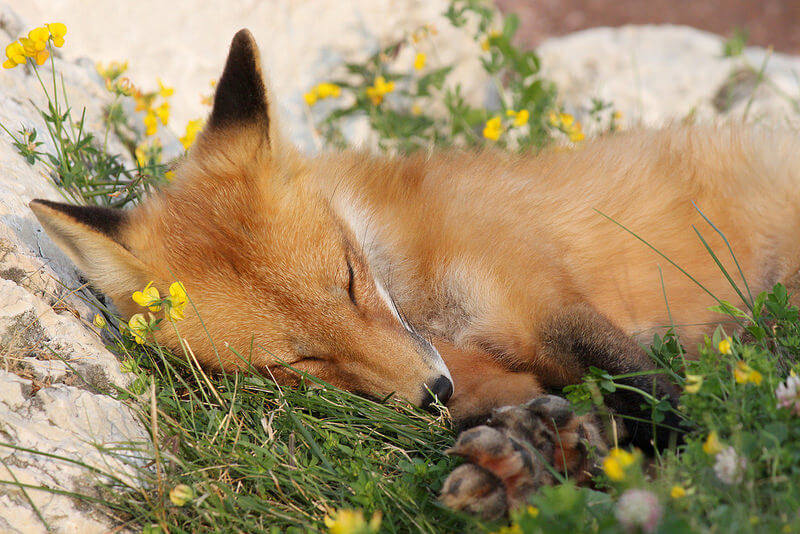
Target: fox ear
241,95
90,237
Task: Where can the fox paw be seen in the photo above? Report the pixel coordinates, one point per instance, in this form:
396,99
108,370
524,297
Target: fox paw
517,451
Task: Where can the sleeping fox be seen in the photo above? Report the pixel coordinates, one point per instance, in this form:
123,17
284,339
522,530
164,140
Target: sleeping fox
478,278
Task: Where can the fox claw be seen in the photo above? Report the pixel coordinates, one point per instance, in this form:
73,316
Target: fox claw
517,451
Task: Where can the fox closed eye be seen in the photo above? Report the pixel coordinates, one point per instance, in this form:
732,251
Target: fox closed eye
351,283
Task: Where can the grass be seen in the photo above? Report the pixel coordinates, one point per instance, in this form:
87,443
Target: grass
237,453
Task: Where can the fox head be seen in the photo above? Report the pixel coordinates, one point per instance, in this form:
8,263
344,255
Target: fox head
273,275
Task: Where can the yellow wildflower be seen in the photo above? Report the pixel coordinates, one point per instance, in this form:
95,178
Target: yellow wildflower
493,128
162,112
150,123
576,133
693,383
567,124
486,43
513,528
139,326
617,461
181,495
419,61
712,445
379,89
176,301
193,127
311,97
352,522
328,90
743,374
148,298
57,30
163,90
99,321
143,101
677,492
114,70
141,157
32,50
169,175
521,117
532,511
416,110
725,346
322,91
15,54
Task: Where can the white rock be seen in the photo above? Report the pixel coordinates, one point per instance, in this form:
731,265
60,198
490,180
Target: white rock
657,74
45,337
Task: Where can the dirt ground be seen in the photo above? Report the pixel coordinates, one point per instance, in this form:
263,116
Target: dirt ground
768,22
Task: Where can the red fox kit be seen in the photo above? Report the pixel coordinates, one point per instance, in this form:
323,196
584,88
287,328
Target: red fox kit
482,278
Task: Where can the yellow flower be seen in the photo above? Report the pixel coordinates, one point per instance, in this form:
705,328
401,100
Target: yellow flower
328,90
514,528
139,326
486,43
193,127
150,123
576,134
114,70
532,511
176,301
99,321
520,117
567,124
617,461
162,112
379,90
37,38
419,61
122,86
311,97
416,110
693,383
58,30
677,492
712,445
181,495
33,51
163,90
15,54
493,128
148,298
352,522
744,374
725,346
169,175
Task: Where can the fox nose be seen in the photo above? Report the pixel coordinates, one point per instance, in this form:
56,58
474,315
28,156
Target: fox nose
441,388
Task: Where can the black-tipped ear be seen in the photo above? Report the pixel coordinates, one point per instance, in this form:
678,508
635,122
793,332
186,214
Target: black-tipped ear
104,220
241,95
91,237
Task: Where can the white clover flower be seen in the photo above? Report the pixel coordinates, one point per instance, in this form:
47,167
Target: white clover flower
639,508
788,394
729,466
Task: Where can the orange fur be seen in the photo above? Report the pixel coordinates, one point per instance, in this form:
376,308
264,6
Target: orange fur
478,249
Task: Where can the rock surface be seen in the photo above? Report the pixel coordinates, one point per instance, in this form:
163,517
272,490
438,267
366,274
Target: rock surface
651,74
53,364
656,74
